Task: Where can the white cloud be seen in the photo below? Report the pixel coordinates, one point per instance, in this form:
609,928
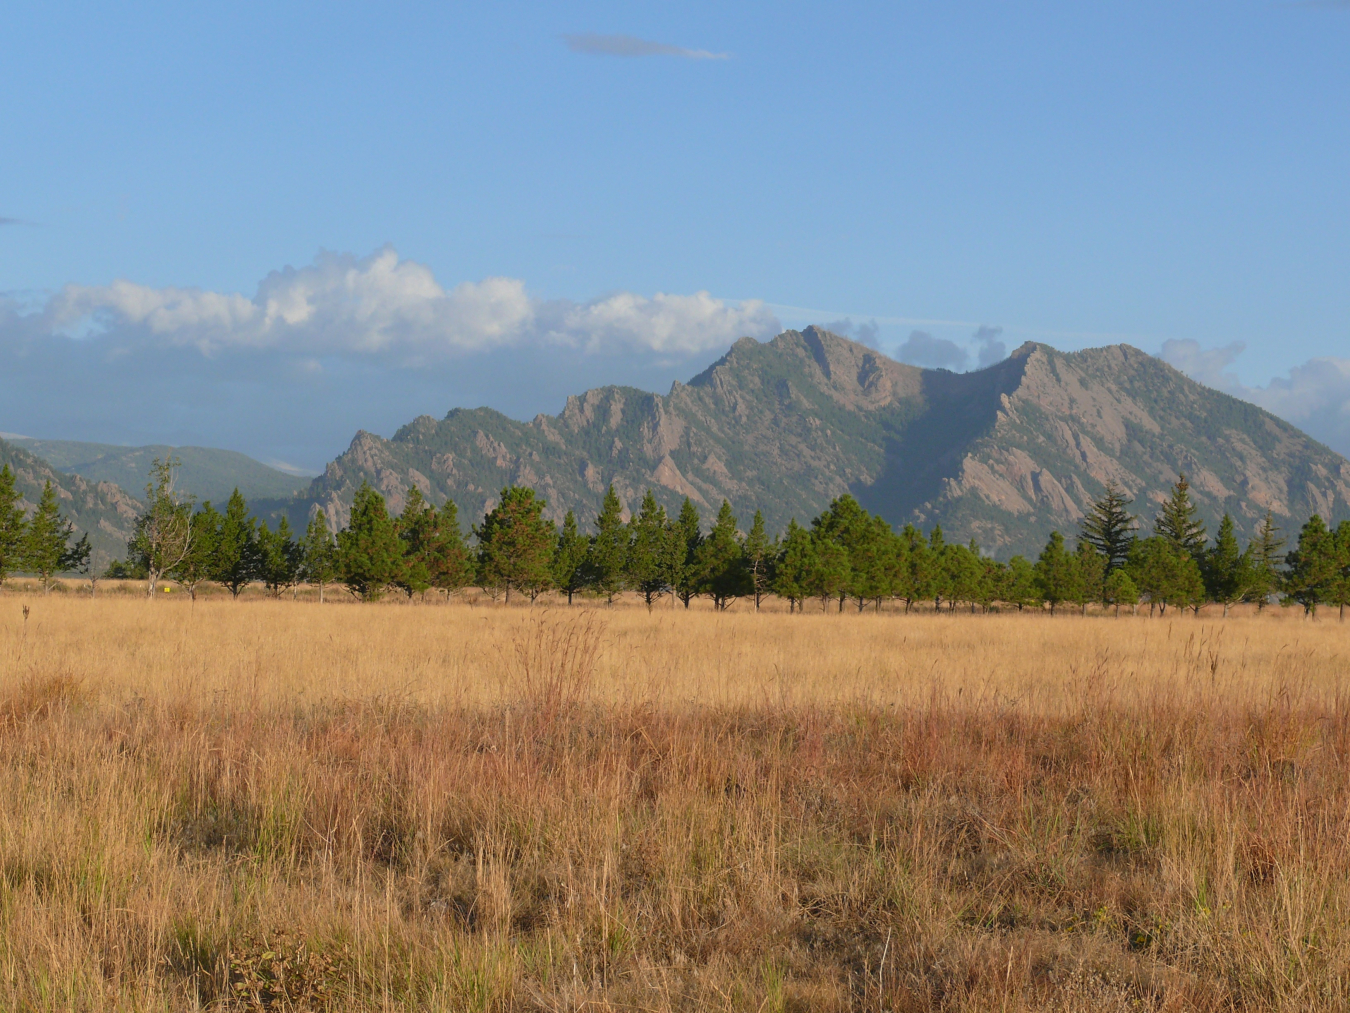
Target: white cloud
1314,396
395,309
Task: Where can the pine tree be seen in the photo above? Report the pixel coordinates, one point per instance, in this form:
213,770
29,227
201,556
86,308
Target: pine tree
793,566
1228,572
652,561
724,576
829,574
46,544
1178,521
688,528
1091,574
236,558
318,554
1019,584
1057,576
569,558
417,528
1265,550
196,567
515,544
1109,526
369,553
939,572
1165,574
1340,588
1313,567
450,565
278,557
759,556
607,560
1120,590
12,524
846,524
918,577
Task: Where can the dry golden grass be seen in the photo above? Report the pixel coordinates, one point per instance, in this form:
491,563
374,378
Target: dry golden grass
280,805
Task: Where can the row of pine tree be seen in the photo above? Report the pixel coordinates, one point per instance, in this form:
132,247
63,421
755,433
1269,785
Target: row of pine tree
846,556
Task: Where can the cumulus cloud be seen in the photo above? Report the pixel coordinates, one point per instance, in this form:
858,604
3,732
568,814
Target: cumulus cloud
1315,396
922,349
629,45
394,309
989,345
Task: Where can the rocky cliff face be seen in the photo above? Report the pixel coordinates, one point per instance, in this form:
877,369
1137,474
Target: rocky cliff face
101,509
1003,455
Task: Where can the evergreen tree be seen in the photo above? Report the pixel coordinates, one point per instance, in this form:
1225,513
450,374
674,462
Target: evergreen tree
450,564
939,570
1313,567
196,567
829,573
991,581
1265,551
318,554
963,573
1228,572
236,560
1165,574
163,535
846,524
654,554
1340,588
720,560
872,561
46,546
689,531
1091,566
1019,584
569,558
369,552
1178,521
917,578
1120,590
759,556
1057,576
278,557
1109,526
12,524
515,544
794,565
607,559
418,529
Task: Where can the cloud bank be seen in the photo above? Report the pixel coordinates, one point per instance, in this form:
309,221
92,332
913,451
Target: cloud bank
1314,396
344,343
629,45
394,310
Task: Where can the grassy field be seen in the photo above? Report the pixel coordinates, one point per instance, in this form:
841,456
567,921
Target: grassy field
281,805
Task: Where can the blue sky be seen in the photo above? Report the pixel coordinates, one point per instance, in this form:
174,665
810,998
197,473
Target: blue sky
480,204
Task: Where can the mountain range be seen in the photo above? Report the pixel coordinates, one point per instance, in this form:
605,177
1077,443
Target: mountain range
1003,455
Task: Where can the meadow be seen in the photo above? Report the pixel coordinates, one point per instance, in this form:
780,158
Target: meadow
281,805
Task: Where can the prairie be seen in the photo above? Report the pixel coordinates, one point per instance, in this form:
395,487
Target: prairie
282,805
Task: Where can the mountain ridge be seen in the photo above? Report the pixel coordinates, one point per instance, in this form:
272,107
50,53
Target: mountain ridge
1004,454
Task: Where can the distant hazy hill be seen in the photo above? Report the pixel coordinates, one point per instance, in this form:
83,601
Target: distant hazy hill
1005,454
102,509
206,473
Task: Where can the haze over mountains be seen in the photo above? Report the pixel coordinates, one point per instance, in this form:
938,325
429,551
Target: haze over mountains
1003,455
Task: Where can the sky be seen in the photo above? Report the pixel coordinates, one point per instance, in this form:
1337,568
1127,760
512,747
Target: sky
265,226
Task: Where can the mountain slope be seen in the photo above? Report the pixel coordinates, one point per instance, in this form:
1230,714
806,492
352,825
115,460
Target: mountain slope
101,509
207,473
1004,454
